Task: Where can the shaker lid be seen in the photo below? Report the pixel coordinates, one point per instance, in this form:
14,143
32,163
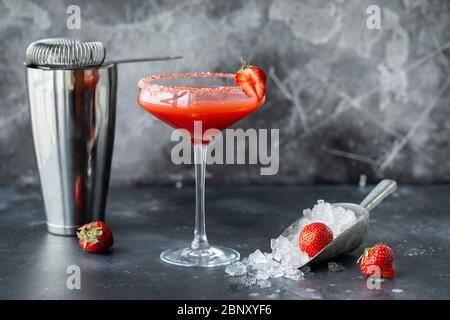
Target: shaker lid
65,53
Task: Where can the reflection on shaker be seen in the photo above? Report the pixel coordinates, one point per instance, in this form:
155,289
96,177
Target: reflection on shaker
78,192
91,77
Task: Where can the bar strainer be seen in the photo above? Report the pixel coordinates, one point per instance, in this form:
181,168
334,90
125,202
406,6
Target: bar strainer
65,53
68,53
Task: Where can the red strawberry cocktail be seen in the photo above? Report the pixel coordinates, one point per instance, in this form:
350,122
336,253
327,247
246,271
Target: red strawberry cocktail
215,101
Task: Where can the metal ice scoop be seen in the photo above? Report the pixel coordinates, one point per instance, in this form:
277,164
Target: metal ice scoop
351,238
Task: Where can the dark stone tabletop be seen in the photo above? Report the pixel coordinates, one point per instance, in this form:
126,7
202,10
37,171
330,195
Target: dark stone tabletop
415,222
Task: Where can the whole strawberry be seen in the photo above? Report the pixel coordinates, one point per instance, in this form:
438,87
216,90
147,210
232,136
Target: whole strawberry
378,258
252,80
314,237
95,237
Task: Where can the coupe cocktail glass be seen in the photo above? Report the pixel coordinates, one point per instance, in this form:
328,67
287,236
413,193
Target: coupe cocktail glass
183,101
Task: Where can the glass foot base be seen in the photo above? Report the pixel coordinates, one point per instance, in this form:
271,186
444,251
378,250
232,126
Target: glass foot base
211,257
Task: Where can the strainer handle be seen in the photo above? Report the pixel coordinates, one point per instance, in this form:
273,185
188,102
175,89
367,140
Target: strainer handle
143,59
381,191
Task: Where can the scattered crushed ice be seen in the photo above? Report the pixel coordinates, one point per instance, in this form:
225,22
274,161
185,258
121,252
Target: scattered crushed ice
415,252
335,267
248,281
293,274
257,257
264,283
362,181
286,257
236,269
306,270
259,268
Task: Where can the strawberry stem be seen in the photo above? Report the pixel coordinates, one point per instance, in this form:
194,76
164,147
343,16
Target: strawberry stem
366,252
359,259
245,64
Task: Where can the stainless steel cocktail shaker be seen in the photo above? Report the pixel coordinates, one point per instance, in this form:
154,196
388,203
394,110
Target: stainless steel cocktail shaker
73,118
72,100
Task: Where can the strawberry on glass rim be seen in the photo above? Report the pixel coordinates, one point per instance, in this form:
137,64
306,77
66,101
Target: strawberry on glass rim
252,80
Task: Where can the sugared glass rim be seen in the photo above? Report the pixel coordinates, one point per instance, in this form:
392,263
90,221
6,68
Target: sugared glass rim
148,84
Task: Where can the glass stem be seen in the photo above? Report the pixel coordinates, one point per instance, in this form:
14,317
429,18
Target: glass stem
200,240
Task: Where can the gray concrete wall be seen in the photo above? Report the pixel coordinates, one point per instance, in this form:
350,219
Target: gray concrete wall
347,100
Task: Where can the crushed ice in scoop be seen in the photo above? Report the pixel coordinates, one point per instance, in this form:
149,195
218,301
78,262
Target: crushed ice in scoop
257,257
336,218
286,257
